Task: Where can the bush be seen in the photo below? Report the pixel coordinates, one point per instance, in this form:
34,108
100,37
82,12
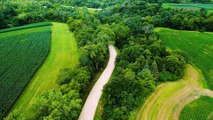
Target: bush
167,76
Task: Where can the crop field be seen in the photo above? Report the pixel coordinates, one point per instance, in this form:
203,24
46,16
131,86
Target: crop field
200,109
171,97
197,46
26,27
21,55
197,6
63,54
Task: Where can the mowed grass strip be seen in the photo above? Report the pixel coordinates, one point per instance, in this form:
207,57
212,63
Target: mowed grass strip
197,46
200,109
169,97
21,55
63,54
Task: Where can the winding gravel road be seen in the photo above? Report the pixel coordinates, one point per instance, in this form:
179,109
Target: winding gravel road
88,111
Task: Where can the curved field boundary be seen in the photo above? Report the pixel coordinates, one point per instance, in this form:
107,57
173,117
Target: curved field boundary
169,98
20,57
34,25
197,46
200,109
63,54
88,111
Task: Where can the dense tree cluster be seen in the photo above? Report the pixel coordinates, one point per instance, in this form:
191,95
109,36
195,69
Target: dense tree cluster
16,14
184,19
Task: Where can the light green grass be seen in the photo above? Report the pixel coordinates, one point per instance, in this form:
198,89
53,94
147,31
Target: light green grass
168,97
189,6
200,109
63,54
197,46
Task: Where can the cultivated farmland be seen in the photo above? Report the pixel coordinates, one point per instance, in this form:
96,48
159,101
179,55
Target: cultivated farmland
22,53
189,6
197,46
26,26
200,109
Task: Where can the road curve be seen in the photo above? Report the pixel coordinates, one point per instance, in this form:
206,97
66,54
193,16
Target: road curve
88,111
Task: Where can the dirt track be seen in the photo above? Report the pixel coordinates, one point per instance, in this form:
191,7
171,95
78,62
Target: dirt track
88,111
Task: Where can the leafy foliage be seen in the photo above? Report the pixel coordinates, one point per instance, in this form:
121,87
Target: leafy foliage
56,105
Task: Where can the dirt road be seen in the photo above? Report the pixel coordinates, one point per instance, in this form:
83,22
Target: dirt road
88,111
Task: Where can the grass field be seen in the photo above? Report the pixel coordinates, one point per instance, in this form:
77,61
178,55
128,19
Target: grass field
200,109
190,6
169,98
21,54
197,46
63,54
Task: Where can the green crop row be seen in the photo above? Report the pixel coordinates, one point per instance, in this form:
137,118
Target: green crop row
200,109
20,57
26,27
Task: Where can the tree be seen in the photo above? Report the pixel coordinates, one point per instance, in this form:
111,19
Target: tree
54,105
175,64
96,52
78,74
147,81
121,34
209,23
154,69
65,76
128,74
131,53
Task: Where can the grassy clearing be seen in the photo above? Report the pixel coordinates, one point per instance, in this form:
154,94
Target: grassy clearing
21,55
63,54
200,109
189,6
197,46
168,99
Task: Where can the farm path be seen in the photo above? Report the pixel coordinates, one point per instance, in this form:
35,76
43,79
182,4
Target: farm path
63,54
169,98
88,111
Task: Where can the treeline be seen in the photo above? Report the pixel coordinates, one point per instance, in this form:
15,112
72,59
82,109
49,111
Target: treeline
18,14
15,14
182,19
